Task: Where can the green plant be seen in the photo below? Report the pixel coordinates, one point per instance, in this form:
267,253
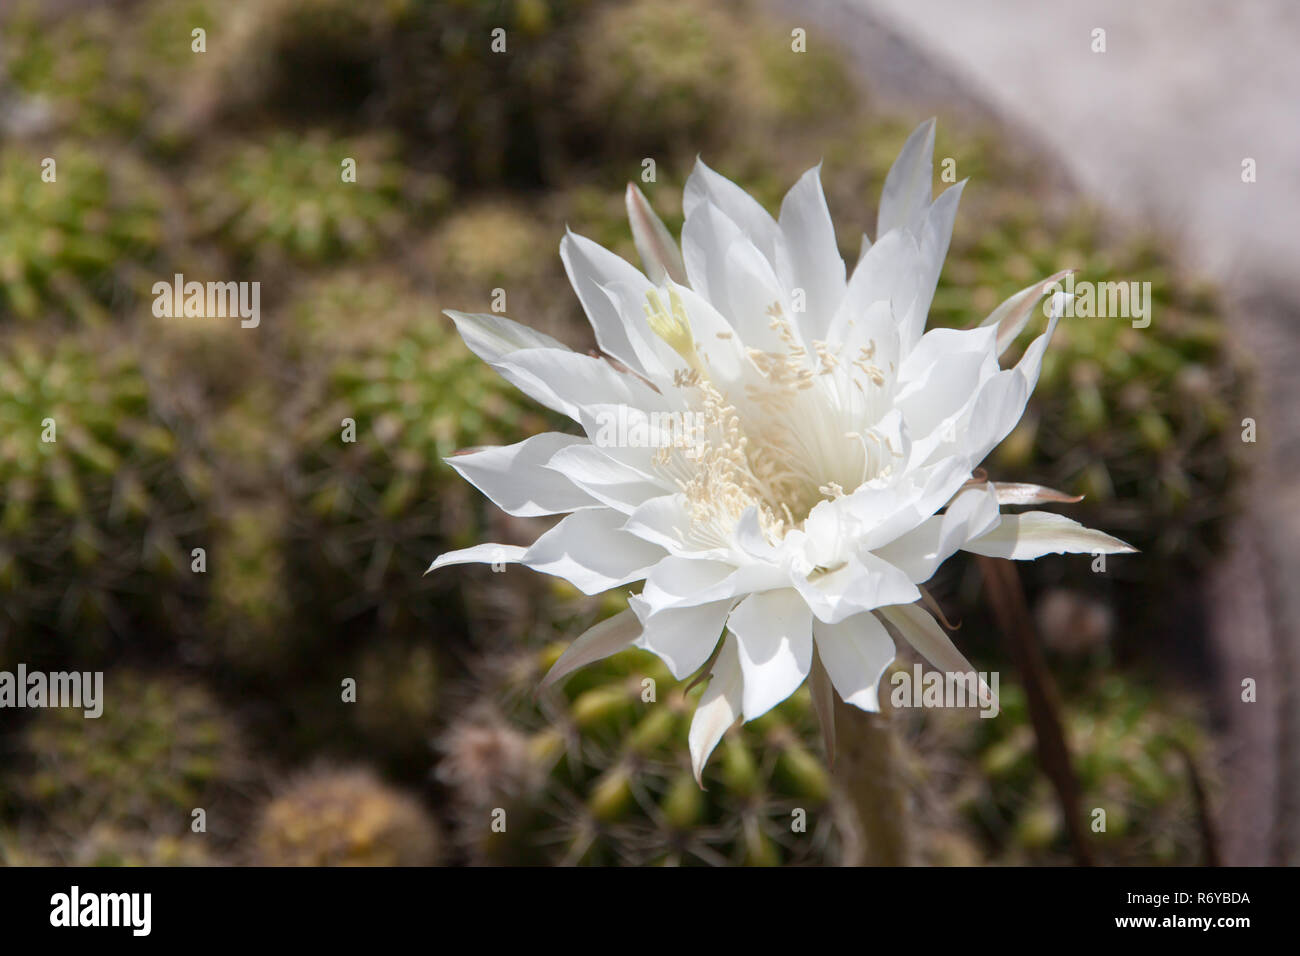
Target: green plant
249,611
78,242
102,73
161,748
335,817
1129,742
286,199
604,776
376,498
102,505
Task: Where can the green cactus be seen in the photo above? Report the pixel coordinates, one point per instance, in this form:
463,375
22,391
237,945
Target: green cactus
1128,744
487,244
285,199
289,60
334,817
502,116
161,748
397,700
612,781
250,609
666,74
102,506
76,244
377,498
104,72
1144,421
106,844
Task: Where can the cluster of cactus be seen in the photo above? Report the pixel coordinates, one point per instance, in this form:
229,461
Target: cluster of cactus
161,749
334,817
682,65
315,542
675,77
105,844
1146,422
598,772
377,495
71,229
1130,747
485,245
286,198
102,505
501,114
249,606
100,74
286,60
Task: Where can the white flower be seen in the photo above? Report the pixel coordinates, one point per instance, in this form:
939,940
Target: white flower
832,465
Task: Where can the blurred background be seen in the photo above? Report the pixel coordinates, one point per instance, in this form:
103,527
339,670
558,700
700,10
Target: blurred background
223,687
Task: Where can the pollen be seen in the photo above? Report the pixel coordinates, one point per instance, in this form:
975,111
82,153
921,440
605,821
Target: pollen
672,325
795,429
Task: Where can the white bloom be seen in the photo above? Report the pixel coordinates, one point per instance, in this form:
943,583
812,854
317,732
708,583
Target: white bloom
836,470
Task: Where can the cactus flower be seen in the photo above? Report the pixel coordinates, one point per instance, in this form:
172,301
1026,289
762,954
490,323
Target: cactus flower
832,445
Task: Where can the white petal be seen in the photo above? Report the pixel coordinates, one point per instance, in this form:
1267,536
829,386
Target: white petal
908,186
886,513
1033,534
1012,316
749,537
774,638
634,436
815,264
861,583
480,554
608,480
516,479
941,343
679,582
685,582
731,272
718,709
566,381
943,381
492,337
935,235
920,552
589,550
855,652
596,643
659,253
716,340
663,520
919,629
704,186
683,638
620,332
889,272
1017,493
1001,402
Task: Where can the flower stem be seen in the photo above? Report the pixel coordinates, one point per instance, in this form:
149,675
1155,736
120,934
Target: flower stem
1011,610
868,774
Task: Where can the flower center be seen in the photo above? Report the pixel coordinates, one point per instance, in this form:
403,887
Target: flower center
793,431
